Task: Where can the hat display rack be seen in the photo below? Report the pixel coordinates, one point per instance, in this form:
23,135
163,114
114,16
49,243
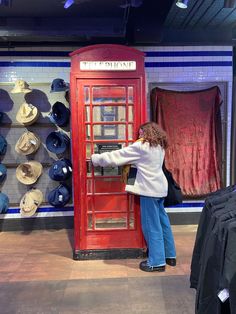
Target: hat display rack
35,165
28,144
58,142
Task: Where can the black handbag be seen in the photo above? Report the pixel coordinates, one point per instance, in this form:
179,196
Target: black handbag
174,196
132,176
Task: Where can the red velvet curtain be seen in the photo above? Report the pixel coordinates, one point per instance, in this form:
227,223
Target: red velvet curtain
193,123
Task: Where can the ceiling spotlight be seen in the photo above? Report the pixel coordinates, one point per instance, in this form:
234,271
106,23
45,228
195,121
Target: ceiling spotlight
183,4
68,3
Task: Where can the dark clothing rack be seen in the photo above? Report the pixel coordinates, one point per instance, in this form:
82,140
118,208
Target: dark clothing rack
213,266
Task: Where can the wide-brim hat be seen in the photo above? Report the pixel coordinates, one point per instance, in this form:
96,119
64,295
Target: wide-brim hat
27,144
27,114
59,85
3,145
60,170
3,172
59,114
57,142
60,196
4,203
30,202
29,172
21,87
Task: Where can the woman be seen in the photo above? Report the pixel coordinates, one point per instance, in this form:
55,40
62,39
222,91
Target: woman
147,154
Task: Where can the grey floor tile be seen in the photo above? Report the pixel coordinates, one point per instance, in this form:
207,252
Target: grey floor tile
146,295
96,296
31,297
178,295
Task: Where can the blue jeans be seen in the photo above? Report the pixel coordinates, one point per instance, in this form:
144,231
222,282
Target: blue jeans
156,230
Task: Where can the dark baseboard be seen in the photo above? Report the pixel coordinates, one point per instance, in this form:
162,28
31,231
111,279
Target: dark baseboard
46,223
108,254
40,223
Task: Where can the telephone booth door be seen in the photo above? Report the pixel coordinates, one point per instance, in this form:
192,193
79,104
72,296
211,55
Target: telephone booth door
107,219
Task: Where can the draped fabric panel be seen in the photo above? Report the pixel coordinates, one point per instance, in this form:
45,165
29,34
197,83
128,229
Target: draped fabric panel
192,121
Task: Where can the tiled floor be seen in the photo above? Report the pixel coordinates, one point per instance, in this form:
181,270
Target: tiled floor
38,275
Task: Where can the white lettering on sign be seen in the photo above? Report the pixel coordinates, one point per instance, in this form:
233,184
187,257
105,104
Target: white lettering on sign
107,65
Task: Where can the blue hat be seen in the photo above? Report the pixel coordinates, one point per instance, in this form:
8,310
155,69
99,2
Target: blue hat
60,196
59,85
57,142
60,170
3,173
4,203
3,145
59,114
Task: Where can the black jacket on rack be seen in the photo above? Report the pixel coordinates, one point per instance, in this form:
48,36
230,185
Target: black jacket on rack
214,202
209,254
229,270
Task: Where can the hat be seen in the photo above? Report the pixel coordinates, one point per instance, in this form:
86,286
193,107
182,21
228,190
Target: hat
60,196
21,87
30,202
57,142
4,203
29,172
3,172
59,114
27,114
60,170
27,144
59,85
3,145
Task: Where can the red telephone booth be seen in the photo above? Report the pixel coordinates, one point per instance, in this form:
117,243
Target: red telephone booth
108,104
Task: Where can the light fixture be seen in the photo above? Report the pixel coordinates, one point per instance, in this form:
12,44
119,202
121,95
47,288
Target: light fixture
68,3
183,4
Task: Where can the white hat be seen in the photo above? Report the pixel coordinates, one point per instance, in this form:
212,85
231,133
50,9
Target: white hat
27,144
30,202
21,87
29,172
27,114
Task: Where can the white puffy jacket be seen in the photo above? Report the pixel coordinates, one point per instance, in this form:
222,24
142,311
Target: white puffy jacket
150,179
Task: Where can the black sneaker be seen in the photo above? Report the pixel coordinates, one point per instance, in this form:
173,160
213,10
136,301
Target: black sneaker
171,261
145,267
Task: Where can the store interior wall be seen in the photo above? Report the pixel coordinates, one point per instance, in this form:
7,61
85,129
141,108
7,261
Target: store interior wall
167,66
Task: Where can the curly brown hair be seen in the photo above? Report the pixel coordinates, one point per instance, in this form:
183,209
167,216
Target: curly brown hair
154,134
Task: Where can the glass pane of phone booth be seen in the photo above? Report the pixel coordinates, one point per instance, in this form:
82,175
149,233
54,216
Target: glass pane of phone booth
109,114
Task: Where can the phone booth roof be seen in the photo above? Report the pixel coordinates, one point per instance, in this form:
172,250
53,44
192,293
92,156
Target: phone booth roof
125,61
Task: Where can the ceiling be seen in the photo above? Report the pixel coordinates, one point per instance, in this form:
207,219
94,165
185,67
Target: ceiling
131,22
